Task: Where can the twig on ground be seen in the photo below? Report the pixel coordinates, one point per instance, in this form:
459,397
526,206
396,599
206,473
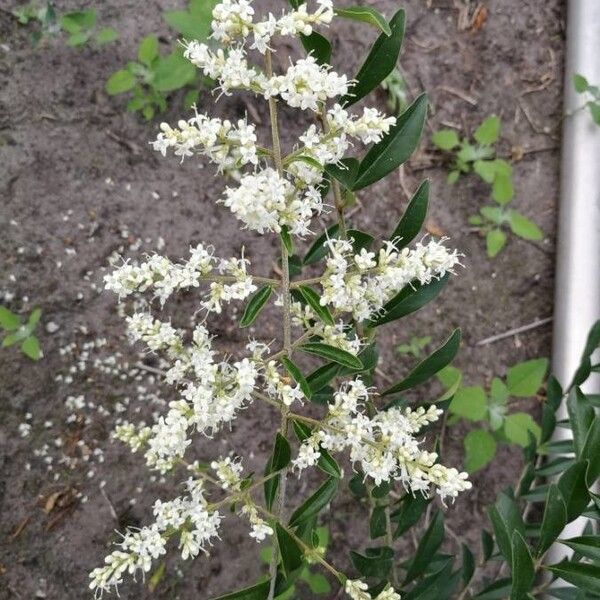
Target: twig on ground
459,94
515,331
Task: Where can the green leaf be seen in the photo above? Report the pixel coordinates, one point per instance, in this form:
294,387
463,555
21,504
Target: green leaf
318,250
75,22
377,522
260,591
345,171
332,353
376,562
594,108
295,372
148,50
554,521
280,459
453,177
480,449
290,552
493,213
120,82
469,403
365,14
430,542
581,415
319,46
587,546
446,139
396,147
106,35
440,585
255,305
9,321
313,300
31,348
410,511
585,366
523,569
413,218
379,63
286,238
583,576
486,169
173,72
495,240
468,565
525,379
450,378
591,452
502,189
487,545
320,377
315,504
523,227
517,427
195,24
317,583
506,518
430,366
78,39
580,82
488,132
573,487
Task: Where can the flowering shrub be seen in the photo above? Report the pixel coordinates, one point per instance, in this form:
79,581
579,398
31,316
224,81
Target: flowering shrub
333,316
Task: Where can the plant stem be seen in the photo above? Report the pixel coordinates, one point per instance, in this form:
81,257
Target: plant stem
335,186
389,540
287,325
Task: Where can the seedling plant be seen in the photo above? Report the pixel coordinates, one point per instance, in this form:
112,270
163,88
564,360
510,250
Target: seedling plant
491,408
480,157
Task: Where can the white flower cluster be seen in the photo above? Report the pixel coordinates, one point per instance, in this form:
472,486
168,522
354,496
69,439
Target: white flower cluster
233,21
384,446
227,145
187,516
331,146
357,590
362,283
211,395
229,279
265,201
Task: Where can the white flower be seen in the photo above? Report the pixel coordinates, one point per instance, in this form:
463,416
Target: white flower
361,285
232,19
260,528
228,472
231,147
265,201
357,589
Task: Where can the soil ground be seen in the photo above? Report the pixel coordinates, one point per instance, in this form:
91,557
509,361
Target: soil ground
79,181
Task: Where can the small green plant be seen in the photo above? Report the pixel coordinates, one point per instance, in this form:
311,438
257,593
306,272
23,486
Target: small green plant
480,158
315,580
397,92
153,77
490,408
18,332
415,347
492,221
80,25
592,95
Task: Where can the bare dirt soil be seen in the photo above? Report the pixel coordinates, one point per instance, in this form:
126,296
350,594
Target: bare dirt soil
79,181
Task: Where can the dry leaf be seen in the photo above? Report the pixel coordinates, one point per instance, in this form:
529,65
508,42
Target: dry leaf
434,229
479,17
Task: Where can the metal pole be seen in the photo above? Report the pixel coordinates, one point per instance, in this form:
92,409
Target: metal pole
577,295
